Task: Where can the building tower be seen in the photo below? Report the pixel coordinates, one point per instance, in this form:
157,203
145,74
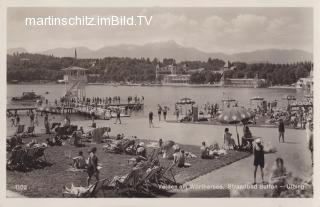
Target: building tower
157,72
75,81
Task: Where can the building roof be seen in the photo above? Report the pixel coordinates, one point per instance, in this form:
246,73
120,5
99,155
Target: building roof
71,68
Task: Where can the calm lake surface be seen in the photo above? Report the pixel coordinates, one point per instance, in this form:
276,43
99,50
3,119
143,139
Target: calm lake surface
164,95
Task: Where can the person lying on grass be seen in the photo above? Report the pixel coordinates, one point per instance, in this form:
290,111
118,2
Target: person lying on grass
211,152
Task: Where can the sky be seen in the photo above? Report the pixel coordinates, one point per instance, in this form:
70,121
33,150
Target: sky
226,30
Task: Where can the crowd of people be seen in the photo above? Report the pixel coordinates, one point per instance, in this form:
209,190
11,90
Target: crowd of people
94,101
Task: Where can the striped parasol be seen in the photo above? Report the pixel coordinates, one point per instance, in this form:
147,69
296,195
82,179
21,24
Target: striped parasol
235,115
185,101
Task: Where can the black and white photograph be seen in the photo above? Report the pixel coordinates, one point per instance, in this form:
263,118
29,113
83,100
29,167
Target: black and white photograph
159,102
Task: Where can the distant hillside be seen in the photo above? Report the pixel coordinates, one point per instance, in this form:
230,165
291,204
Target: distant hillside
10,51
171,49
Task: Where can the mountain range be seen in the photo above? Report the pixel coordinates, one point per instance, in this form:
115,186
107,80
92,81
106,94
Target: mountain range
171,49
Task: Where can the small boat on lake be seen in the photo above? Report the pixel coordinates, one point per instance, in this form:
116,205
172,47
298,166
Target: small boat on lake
28,97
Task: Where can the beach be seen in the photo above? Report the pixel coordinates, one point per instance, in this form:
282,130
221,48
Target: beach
238,170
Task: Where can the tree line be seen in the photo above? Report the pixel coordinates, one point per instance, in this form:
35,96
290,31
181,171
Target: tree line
31,67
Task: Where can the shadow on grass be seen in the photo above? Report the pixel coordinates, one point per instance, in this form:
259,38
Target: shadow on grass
28,168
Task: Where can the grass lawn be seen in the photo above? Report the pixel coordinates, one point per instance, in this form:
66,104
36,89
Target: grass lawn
49,181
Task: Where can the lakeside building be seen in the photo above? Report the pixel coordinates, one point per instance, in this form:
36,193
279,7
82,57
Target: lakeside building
306,83
171,74
174,75
243,82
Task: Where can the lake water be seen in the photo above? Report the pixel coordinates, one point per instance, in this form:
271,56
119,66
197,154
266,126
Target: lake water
164,95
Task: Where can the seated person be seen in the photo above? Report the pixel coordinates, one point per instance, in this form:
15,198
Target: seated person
141,150
179,159
55,141
160,143
77,138
81,130
278,177
227,140
32,143
204,151
79,162
167,146
246,132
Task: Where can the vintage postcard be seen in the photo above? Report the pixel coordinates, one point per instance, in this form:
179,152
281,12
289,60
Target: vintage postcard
159,101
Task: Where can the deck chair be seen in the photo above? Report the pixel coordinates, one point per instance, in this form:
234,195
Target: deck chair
89,192
167,175
125,186
20,130
148,181
16,157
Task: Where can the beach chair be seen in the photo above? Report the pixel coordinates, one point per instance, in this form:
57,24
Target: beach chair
15,158
166,176
148,182
125,186
90,192
33,156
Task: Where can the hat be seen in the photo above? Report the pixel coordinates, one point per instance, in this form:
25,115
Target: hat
258,141
141,144
93,149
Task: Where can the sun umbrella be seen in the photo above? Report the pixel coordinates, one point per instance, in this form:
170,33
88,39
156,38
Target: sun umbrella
257,98
235,115
186,101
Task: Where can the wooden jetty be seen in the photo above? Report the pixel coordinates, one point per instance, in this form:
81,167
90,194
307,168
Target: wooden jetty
73,109
16,109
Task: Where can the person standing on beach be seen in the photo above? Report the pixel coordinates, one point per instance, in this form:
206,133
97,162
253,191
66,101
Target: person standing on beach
31,118
92,168
281,130
13,121
258,154
118,116
309,130
151,119
46,123
177,113
165,110
17,119
159,112
36,119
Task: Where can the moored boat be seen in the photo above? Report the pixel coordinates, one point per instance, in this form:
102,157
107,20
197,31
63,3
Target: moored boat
28,96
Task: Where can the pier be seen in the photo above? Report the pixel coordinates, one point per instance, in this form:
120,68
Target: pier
74,109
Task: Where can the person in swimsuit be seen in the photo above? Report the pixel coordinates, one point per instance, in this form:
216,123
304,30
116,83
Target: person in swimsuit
258,154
